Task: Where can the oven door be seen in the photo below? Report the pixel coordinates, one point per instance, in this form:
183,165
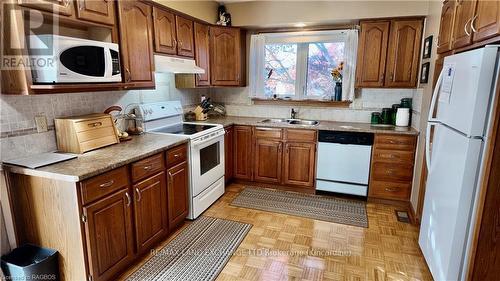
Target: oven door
207,160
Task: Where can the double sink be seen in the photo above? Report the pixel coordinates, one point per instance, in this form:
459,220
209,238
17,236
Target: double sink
291,121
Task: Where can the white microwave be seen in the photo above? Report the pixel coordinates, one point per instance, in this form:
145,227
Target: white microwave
62,59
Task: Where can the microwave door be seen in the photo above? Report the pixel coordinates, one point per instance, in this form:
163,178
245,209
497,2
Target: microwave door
82,64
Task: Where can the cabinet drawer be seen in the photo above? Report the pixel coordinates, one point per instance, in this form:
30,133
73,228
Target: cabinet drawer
92,124
300,135
147,167
104,184
392,172
176,155
395,142
391,156
390,190
268,133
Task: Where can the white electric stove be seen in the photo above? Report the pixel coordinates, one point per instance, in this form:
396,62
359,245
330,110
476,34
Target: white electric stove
206,150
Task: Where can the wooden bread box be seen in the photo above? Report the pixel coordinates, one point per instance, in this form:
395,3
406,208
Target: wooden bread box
79,134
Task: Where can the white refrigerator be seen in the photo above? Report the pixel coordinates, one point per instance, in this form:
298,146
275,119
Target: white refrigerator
459,114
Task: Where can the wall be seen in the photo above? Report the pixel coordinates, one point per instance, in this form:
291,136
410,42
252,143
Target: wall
204,10
283,13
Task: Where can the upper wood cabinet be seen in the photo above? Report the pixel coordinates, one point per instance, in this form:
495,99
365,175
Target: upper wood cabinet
185,37
403,53
243,152
164,30
135,19
202,52
100,11
227,56
62,7
486,23
177,183
462,31
446,27
372,51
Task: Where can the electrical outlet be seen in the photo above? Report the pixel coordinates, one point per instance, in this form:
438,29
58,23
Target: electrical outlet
41,124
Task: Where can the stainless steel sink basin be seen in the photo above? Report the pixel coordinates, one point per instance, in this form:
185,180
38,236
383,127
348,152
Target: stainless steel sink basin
292,121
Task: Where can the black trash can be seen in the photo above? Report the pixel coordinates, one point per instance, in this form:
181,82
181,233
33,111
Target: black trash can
30,262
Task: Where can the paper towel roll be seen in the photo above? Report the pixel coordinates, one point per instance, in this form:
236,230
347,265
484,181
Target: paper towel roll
403,117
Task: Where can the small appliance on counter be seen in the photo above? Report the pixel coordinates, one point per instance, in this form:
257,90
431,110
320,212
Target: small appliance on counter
389,116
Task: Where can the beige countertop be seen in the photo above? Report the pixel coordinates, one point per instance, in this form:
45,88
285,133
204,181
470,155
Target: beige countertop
323,125
104,159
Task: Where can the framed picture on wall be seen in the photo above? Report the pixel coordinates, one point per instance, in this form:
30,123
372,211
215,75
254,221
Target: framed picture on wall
424,73
427,47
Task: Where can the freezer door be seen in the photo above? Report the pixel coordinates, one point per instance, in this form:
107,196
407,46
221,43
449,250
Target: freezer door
448,201
466,89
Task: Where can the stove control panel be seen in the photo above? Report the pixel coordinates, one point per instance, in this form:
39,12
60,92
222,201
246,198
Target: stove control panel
159,110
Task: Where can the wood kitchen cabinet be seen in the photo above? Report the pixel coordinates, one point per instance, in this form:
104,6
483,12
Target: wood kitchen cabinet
136,40
151,211
202,53
372,52
185,36
109,235
227,62
268,157
299,163
61,7
243,156
462,33
165,39
178,206
486,23
446,27
99,11
228,153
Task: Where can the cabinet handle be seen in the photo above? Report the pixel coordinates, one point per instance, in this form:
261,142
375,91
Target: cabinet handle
128,199
148,167
139,197
472,23
127,72
465,27
381,77
81,4
107,184
175,42
177,155
280,146
389,172
95,124
66,3
391,189
287,148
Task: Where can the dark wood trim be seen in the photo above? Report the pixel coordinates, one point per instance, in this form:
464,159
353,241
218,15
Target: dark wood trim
319,103
307,28
74,88
479,44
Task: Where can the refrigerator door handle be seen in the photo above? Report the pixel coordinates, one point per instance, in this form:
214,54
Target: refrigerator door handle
434,97
428,145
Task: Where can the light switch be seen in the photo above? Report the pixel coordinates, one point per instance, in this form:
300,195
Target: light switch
41,124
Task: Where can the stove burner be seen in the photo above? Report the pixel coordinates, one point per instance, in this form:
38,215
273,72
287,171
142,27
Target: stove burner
183,129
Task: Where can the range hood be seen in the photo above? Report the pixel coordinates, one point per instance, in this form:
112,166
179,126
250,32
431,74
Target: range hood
176,65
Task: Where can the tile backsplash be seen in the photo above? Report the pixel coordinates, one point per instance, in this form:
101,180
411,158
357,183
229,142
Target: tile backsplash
17,113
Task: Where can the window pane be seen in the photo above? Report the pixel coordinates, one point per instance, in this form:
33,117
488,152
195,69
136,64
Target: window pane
322,58
281,68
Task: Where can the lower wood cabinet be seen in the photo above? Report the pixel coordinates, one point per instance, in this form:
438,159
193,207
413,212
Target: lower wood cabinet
109,235
298,164
268,157
151,215
178,206
243,152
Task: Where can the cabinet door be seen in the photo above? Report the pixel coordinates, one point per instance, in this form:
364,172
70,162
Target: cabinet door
136,43
404,53
486,23
62,7
299,162
109,235
372,54
202,53
446,26
462,32
243,152
151,215
268,158
178,206
164,28
226,57
100,11
185,45
228,153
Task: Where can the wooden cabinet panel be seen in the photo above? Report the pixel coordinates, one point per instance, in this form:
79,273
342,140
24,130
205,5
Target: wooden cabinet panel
392,171
164,31
404,53
178,206
228,153
395,142
462,32
202,53
185,37
243,152
390,190
301,135
446,27
177,155
147,167
268,133
100,11
393,156
372,52
299,164
226,56
486,23
268,158
151,213
62,7
109,235
104,184
136,43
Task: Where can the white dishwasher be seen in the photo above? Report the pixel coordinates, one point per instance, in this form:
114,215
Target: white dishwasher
343,162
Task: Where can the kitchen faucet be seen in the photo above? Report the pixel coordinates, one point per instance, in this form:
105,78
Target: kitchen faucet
293,114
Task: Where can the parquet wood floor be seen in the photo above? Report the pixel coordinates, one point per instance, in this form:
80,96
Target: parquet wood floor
283,247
